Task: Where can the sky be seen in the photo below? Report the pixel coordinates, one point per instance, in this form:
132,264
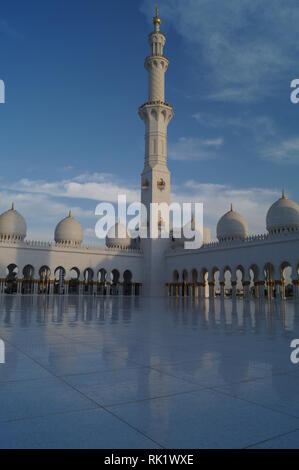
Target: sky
70,135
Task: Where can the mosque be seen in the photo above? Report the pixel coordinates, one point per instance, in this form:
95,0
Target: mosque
235,265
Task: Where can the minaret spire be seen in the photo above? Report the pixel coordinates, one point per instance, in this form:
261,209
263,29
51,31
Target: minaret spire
157,20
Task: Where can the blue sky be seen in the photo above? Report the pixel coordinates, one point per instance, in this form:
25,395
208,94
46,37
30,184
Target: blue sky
74,77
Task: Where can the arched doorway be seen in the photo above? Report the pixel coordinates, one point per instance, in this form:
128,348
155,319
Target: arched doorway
11,280
115,282
127,286
88,281
74,282
59,276
28,279
44,280
102,282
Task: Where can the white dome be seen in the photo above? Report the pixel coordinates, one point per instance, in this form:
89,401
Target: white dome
118,236
232,226
68,231
12,225
283,215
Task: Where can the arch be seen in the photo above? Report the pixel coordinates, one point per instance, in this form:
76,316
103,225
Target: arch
286,274
44,280
216,278
28,271
59,284
115,280
127,286
28,279
227,278
185,286
88,281
102,282
240,277
194,275
204,275
269,272
253,274
11,280
74,281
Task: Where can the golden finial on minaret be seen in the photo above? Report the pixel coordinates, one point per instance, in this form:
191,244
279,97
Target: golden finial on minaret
156,19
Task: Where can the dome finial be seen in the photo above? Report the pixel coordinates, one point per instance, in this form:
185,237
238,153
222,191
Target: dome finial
283,194
231,207
12,206
70,213
157,20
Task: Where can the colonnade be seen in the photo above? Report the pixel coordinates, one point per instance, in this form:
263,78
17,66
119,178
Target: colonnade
253,282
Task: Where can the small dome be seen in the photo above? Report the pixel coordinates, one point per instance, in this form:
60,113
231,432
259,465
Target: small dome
68,231
12,225
118,236
283,215
232,226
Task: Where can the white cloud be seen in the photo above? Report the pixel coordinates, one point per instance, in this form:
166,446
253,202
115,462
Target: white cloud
194,149
43,211
96,187
44,203
245,45
286,151
252,203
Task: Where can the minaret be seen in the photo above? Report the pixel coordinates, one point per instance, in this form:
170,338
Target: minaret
155,179
156,115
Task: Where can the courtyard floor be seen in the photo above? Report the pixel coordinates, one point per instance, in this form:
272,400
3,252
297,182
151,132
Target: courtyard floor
148,373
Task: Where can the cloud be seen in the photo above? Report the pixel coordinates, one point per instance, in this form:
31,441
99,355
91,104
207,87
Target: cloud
194,149
245,46
43,207
285,152
44,204
96,187
252,203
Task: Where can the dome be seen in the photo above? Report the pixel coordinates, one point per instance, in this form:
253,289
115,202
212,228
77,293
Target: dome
68,231
283,215
232,226
118,236
12,225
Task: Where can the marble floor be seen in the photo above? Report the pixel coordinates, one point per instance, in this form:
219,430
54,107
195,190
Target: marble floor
148,373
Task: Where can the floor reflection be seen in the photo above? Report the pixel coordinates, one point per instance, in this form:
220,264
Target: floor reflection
121,351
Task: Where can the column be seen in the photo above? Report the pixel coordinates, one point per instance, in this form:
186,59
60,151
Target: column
211,289
35,287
